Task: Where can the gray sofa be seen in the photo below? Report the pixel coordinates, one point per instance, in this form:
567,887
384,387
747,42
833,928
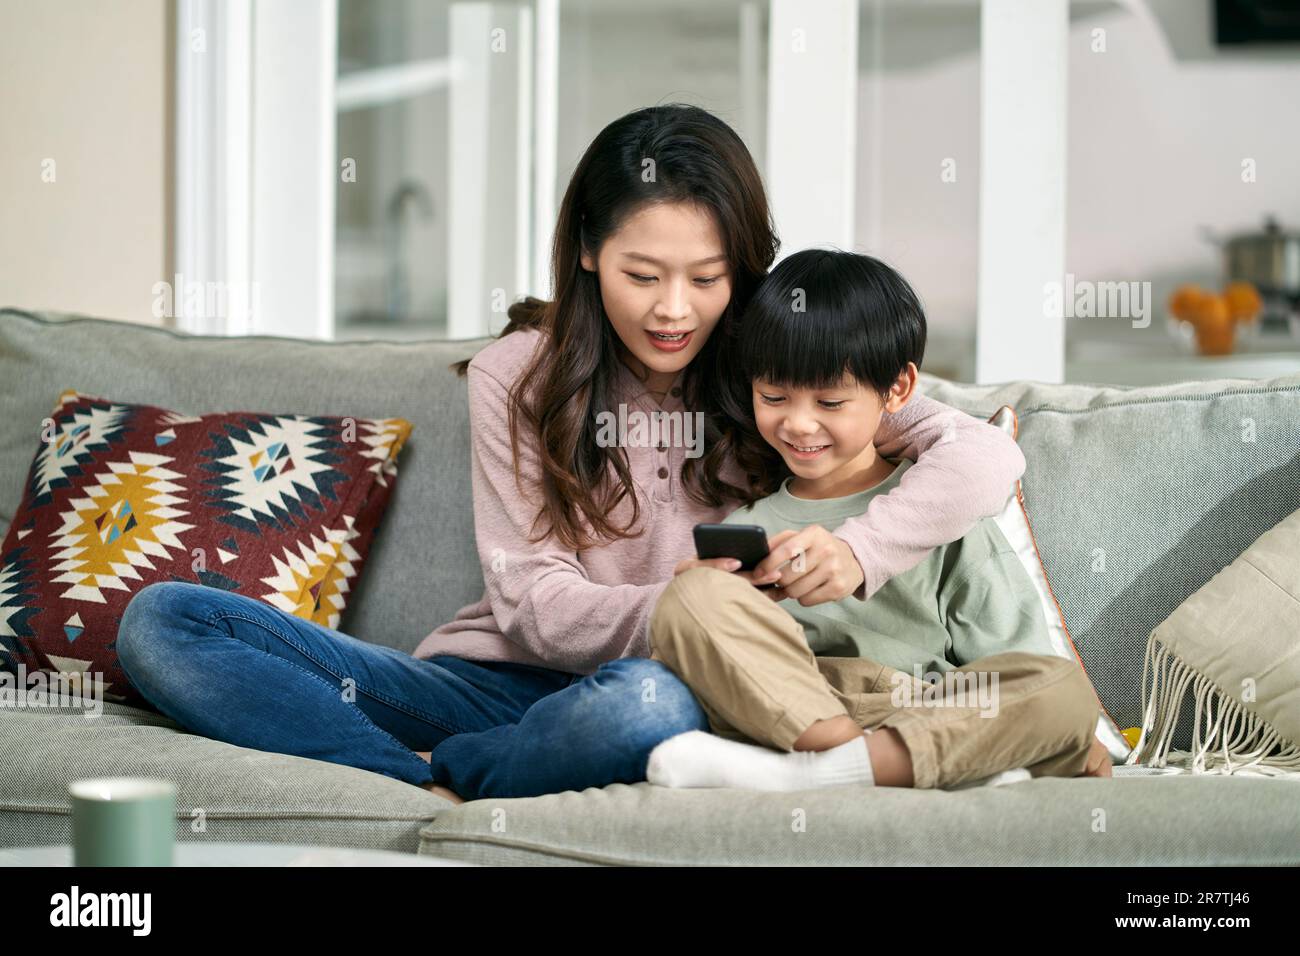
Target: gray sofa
1137,496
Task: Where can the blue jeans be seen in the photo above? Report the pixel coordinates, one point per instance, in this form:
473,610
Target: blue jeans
233,668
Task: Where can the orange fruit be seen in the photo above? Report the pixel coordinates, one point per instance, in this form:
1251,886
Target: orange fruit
1214,327
1182,304
1243,301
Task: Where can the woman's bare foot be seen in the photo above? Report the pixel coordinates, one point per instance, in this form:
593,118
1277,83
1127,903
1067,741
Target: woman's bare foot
435,788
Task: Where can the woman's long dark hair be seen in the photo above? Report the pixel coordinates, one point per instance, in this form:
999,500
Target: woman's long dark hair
819,315
698,159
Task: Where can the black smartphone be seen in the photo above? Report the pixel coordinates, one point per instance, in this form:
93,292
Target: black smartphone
747,543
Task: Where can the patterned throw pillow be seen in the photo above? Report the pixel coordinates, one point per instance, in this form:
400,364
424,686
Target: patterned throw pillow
282,508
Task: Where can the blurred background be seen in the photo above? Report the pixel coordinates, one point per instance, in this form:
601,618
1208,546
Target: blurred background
392,168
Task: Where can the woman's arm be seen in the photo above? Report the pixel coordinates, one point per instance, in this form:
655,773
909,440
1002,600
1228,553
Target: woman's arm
540,594
965,470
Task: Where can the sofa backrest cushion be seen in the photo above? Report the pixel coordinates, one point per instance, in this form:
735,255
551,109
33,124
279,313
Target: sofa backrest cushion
423,565
1138,496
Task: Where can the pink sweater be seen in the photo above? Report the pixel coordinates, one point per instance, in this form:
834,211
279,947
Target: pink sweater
549,607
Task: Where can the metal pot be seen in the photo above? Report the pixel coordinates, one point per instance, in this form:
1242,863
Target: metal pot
1269,259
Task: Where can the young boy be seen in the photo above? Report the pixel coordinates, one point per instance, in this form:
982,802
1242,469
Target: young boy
945,676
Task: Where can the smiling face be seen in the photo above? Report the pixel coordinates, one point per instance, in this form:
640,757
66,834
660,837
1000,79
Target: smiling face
664,271
826,436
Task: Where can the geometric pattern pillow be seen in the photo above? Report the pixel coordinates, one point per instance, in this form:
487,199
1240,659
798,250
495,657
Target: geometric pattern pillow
282,508
1014,524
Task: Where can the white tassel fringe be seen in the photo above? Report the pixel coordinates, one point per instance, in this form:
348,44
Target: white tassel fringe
1233,741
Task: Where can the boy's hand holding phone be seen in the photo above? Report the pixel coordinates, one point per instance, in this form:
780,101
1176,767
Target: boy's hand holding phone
810,565
735,548
722,564
732,565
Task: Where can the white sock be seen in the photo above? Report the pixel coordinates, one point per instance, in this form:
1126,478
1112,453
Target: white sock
699,759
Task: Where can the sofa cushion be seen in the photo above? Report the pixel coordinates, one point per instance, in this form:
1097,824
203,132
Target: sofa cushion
223,792
282,508
230,793
1140,821
1014,524
423,567
1141,495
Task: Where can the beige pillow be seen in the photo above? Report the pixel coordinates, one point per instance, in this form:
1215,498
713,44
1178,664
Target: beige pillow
1236,644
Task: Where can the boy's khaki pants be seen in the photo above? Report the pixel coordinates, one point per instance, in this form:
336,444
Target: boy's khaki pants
748,663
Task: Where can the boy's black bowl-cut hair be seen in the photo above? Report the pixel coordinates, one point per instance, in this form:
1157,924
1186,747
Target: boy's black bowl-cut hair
858,316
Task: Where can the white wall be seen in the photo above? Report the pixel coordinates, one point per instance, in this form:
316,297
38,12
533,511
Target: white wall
86,84
1154,144
1156,148
1154,153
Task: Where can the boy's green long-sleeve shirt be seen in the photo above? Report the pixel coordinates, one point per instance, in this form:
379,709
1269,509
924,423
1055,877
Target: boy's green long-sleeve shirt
964,601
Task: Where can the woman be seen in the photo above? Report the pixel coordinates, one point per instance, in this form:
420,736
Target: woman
544,685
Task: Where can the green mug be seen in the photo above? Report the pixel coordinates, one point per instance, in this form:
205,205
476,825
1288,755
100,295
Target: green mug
123,821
